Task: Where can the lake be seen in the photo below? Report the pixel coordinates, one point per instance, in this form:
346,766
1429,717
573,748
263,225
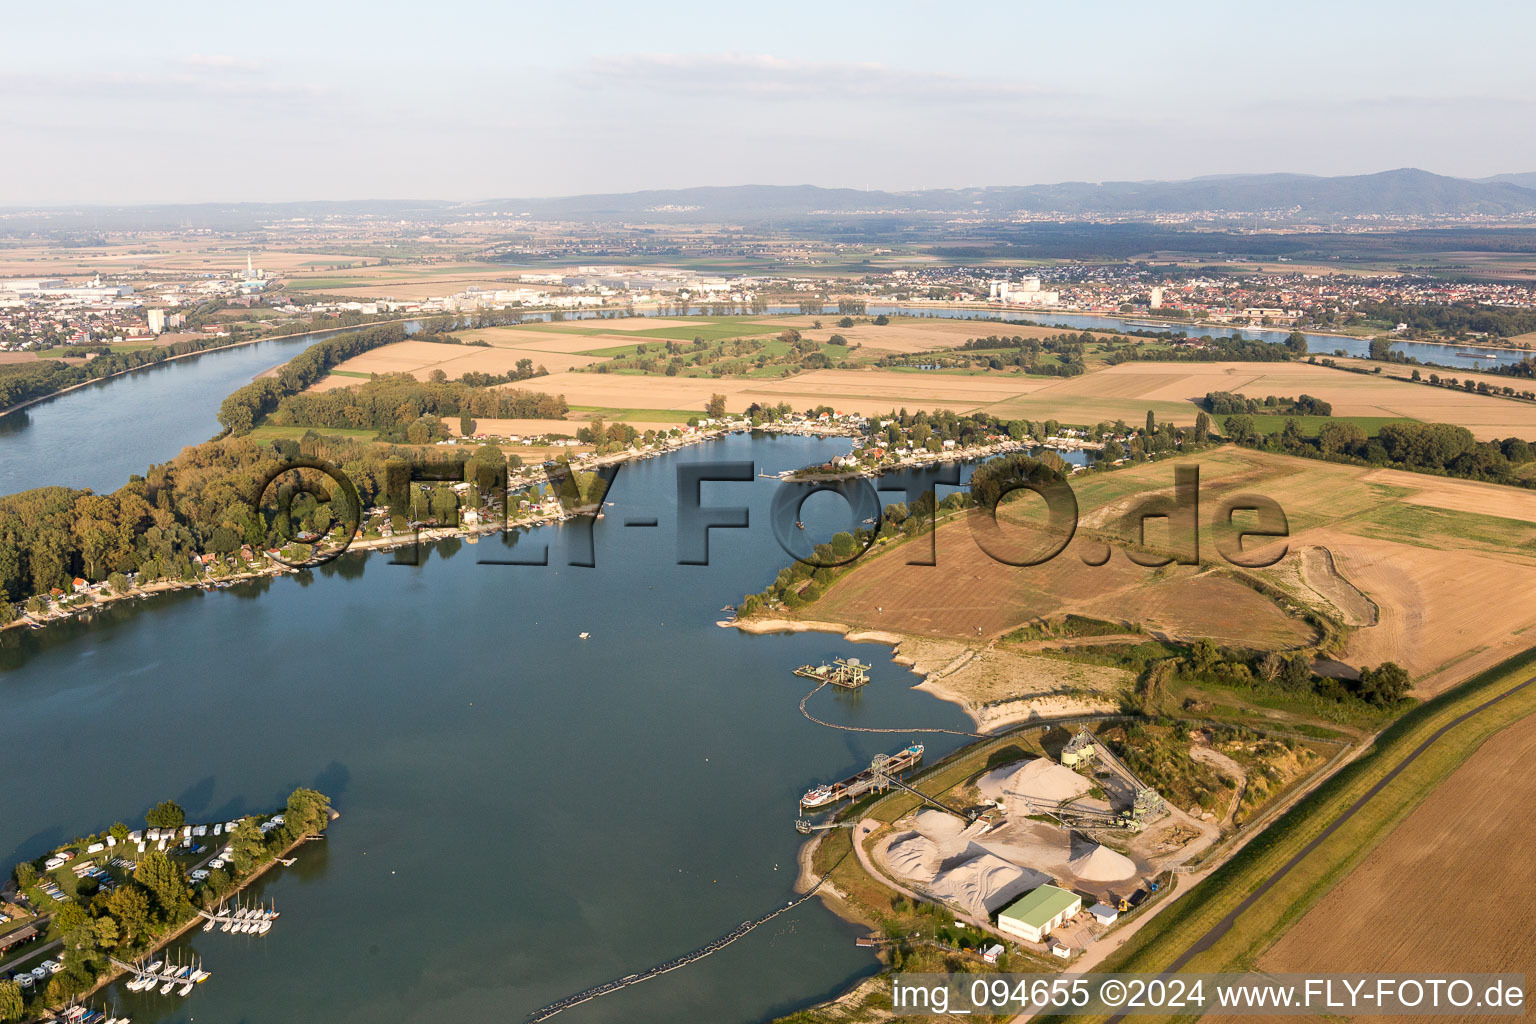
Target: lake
524,814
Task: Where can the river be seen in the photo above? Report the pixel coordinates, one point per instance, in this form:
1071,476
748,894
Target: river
524,813
1317,344
97,435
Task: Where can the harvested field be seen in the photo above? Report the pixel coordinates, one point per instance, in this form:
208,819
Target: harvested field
970,594
1320,571
1410,544
868,392
1436,617
400,282
420,358
1129,389
1407,908
1398,538
622,391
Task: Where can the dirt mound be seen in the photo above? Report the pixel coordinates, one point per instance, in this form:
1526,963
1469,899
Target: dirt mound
1101,864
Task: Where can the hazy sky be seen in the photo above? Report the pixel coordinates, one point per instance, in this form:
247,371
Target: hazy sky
280,100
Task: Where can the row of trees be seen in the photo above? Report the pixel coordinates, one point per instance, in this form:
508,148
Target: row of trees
1458,319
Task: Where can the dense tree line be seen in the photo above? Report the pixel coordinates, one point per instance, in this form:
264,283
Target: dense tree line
396,400
243,409
1213,350
159,525
1441,448
1228,403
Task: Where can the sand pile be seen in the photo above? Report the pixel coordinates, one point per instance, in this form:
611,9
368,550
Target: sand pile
1046,781
995,781
913,856
1101,864
982,885
938,826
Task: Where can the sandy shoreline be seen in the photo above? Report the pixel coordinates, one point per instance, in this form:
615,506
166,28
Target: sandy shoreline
934,662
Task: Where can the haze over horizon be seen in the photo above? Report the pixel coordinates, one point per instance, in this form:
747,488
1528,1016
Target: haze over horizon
187,103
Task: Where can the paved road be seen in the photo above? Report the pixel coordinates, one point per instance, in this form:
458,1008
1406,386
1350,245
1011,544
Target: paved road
1220,928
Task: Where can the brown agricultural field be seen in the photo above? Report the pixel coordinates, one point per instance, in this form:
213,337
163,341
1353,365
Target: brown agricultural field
1447,890
868,392
1450,566
420,358
1427,550
1129,389
168,254
969,594
625,391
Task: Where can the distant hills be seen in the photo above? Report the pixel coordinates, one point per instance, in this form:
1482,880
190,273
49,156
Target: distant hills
1401,193
1526,180
1406,193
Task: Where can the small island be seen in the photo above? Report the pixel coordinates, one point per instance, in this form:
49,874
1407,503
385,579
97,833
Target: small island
70,918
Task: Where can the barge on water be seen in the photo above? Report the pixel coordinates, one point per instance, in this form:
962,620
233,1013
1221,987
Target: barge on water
849,673
863,782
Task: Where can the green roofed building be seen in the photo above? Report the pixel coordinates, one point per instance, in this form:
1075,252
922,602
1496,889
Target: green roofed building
1032,916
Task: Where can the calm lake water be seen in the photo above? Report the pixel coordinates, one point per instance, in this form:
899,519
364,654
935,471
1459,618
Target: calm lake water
525,813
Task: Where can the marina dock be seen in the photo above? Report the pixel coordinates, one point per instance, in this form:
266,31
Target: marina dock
167,977
242,920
